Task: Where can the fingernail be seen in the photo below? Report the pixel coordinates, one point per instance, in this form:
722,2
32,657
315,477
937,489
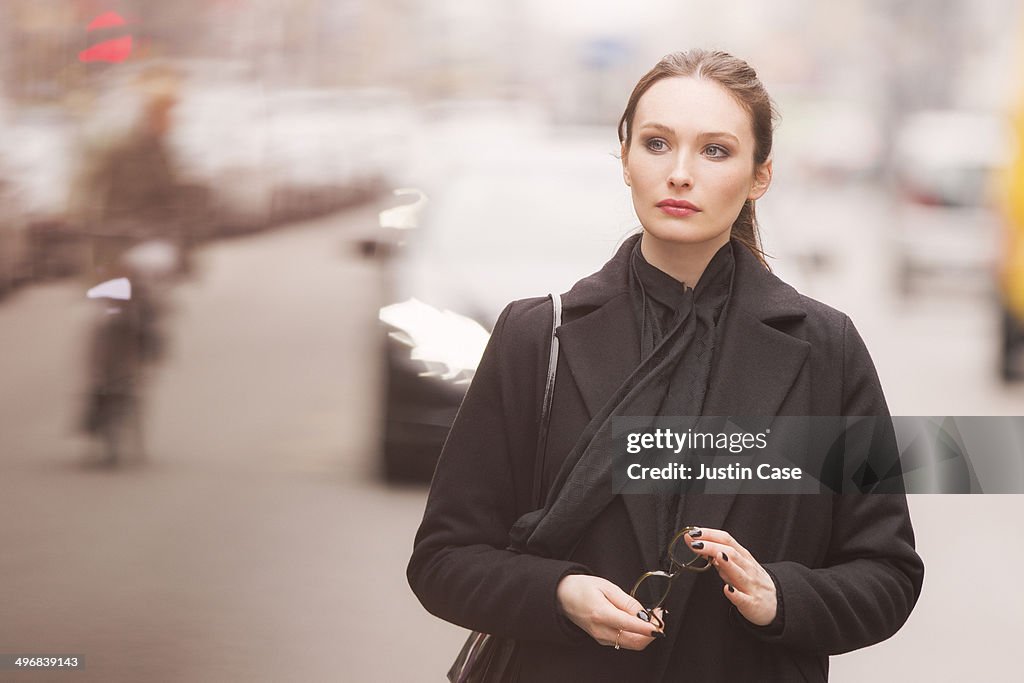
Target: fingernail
731,589
643,615
657,634
725,557
696,533
697,545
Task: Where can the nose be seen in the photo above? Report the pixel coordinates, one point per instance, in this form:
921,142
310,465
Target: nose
680,176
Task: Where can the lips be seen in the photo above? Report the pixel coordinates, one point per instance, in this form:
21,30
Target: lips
677,203
677,207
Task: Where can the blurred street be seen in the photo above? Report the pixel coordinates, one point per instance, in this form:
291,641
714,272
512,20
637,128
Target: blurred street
256,543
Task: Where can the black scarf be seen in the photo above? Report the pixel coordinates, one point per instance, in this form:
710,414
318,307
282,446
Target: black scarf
677,342
659,301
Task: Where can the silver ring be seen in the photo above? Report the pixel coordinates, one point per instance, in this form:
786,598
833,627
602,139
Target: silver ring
617,636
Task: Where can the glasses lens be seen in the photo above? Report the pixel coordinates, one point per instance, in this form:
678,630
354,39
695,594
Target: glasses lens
652,590
681,554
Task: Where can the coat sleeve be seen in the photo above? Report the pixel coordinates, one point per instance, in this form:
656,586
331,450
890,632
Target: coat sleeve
871,576
460,569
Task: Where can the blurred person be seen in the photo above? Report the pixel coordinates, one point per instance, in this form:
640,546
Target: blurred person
127,190
128,204
685,319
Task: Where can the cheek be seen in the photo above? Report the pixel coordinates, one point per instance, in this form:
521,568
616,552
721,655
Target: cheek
650,174
733,185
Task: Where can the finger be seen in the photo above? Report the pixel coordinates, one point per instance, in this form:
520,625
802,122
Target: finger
621,599
716,536
730,572
722,538
626,640
747,604
631,641
735,595
721,555
637,641
720,547
733,575
630,614
617,620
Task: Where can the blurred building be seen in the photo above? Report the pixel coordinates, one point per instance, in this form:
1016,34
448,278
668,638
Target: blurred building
912,54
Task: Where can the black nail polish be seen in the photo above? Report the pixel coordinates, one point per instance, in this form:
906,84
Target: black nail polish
725,557
696,533
697,545
657,634
731,589
643,615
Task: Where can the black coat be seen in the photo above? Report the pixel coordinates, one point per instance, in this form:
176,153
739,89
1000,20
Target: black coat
845,565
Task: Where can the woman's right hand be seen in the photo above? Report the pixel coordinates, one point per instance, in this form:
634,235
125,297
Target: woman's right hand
602,609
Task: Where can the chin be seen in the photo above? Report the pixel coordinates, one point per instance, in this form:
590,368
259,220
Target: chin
680,233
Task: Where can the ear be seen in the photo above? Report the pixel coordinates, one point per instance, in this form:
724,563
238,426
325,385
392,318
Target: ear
625,170
762,179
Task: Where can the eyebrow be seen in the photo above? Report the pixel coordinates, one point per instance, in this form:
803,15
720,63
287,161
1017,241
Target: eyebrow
709,134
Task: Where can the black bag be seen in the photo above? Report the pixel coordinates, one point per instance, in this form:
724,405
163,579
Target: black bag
485,658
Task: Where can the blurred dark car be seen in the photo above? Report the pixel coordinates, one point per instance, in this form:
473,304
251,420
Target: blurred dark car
520,217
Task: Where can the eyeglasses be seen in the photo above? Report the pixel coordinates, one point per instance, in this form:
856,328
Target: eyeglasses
652,589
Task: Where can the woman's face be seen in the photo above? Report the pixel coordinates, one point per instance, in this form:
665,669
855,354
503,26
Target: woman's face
690,162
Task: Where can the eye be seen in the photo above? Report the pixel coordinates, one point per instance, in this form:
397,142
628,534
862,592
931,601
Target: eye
716,151
656,145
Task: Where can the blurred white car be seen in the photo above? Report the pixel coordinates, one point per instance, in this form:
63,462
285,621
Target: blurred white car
517,213
946,225
274,155
830,141
220,139
328,145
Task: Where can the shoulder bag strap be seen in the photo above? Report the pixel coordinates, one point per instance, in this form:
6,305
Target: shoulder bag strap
545,406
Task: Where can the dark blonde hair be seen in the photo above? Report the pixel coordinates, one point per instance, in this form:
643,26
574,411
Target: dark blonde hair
740,79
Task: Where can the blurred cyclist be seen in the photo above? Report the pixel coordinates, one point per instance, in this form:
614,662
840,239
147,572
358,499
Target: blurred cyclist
135,249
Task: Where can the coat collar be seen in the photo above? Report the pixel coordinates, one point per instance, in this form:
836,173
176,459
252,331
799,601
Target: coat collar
601,343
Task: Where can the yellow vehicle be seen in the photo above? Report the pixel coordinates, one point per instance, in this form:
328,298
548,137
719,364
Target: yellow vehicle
1011,263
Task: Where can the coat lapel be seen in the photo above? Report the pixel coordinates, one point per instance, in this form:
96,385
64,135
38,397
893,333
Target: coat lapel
755,365
601,349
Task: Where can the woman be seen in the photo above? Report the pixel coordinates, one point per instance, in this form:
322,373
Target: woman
685,319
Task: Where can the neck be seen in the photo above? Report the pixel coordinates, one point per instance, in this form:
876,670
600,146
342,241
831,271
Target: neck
684,262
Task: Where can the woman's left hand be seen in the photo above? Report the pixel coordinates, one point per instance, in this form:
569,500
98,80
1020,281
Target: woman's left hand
747,585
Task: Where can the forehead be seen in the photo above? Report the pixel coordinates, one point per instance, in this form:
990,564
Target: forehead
693,105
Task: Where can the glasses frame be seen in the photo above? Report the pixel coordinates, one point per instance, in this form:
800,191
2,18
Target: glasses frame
675,569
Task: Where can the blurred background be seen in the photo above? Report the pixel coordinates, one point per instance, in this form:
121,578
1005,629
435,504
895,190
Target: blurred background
230,352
